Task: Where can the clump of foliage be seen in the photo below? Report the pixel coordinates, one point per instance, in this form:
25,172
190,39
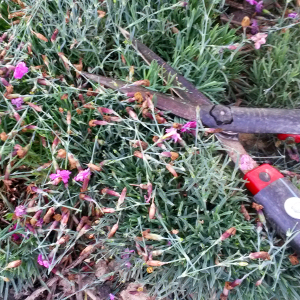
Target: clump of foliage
53,130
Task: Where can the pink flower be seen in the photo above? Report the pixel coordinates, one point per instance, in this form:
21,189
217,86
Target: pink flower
127,253
20,70
246,162
82,175
259,39
232,47
259,6
252,2
255,28
293,15
20,211
188,126
173,134
60,175
111,297
17,102
43,262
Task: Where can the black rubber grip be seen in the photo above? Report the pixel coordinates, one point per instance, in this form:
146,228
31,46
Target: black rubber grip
273,198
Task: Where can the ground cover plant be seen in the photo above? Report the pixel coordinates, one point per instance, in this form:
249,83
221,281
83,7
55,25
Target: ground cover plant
96,194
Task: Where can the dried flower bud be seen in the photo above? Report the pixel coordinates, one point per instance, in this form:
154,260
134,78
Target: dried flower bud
157,252
138,144
152,236
122,197
294,259
48,215
69,117
79,111
152,210
131,113
64,239
138,154
155,263
108,210
101,13
36,107
144,82
36,217
259,282
94,168
228,233
74,162
261,217
171,170
64,60
54,35
256,206
113,231
262,255
65,217
14,264
93,123
3,136
40,36
246,21
84,230
110,192
61,153
86,250
84,220
245,213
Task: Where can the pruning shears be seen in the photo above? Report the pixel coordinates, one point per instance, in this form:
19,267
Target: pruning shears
278,196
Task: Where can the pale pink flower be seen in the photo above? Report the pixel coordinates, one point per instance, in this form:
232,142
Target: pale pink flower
20,211
259,39
20,70
17,102
173,134
232,47
82,175
246,162
63,175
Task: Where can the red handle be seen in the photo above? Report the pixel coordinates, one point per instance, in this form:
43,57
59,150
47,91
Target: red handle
295,137
260,177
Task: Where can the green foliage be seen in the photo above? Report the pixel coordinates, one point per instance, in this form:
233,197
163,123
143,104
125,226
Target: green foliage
202,203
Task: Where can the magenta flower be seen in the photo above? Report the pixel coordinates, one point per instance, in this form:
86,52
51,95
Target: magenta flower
293,15
173,134
43,262
63,175
111,297
83,175
259,6
39,223
252,2
188,126
259,39
17,102
20,211
127,253
20,70
255,28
